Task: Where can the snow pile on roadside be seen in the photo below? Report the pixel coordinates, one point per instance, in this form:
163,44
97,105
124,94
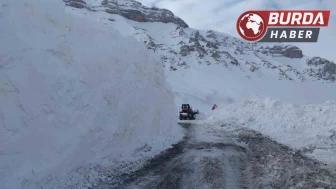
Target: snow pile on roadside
75,92
311,128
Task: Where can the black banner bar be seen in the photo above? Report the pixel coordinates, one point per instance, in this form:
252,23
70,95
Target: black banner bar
291,35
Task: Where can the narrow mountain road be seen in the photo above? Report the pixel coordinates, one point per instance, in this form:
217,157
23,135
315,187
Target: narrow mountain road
208,158
200,161
204,159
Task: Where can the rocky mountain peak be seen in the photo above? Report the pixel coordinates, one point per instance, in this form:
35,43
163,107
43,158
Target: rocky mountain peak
129,9
76,3
321,69
288,51
180,46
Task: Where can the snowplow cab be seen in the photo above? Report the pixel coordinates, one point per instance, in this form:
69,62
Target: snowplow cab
185,108
186,112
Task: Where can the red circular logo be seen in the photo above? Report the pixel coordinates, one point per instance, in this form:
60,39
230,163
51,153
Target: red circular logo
251,26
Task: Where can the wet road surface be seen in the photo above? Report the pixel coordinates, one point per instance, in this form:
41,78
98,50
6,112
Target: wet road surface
209,158
204,159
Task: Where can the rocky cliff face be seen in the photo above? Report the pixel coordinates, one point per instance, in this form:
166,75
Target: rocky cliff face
76,3
129,9
211,47
180,47
321,69
288,51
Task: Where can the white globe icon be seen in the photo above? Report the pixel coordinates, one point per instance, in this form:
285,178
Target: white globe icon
251,25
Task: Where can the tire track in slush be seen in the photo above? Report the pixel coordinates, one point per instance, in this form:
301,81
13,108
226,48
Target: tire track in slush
192,163
211,158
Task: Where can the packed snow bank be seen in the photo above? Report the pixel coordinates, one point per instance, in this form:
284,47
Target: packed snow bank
74,92
311,128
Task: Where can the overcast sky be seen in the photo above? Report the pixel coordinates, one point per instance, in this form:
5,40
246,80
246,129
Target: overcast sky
221,15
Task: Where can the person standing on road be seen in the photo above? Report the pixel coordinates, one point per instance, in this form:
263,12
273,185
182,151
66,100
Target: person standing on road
214,107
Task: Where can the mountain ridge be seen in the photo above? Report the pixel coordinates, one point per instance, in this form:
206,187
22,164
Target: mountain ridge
129,9
211,47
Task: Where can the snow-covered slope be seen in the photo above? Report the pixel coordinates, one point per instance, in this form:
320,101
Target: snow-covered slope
74,92
207,67
309,128
78,93
129,9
